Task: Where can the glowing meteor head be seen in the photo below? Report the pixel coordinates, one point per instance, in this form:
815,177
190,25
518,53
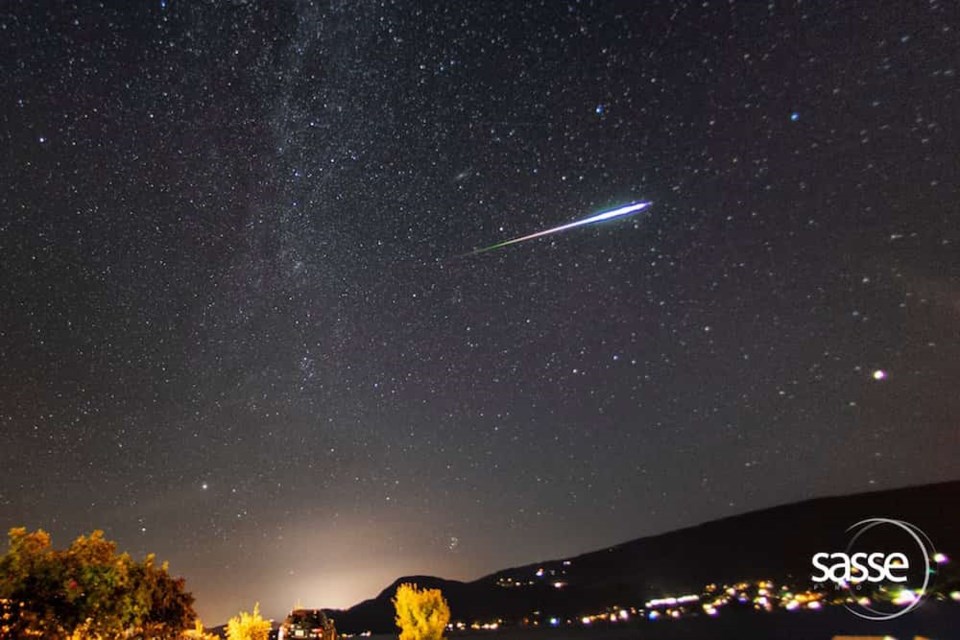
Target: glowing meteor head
606,215
622,211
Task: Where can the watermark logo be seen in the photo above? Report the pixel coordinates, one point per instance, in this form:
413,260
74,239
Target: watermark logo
885,568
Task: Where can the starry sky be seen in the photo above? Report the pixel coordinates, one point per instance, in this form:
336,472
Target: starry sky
240,326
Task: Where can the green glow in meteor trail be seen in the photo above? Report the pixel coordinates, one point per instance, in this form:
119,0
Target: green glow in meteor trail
607,215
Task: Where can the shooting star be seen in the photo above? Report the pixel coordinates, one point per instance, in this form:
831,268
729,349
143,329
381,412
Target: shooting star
606,215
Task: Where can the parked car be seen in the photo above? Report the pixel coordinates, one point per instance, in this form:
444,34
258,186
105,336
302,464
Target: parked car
307,623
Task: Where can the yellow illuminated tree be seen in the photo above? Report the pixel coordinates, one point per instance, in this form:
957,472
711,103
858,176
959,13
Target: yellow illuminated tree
198,632
87,591
422,614
248,626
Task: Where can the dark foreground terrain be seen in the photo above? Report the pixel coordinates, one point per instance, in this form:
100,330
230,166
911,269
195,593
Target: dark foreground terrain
932,620
938,621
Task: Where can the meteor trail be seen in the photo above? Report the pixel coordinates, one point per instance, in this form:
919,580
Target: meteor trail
606,215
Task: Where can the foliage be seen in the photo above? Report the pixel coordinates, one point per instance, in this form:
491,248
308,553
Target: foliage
198,632
87,591
422,614
248,626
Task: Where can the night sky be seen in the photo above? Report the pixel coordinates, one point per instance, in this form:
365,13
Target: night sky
240,325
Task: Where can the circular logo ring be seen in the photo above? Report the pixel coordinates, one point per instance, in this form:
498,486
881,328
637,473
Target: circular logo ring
915,533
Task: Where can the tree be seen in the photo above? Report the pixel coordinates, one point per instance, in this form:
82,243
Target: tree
199,633
248,626
422,614
87,591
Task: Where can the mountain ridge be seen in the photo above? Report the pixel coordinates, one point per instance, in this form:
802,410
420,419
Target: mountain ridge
774,543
